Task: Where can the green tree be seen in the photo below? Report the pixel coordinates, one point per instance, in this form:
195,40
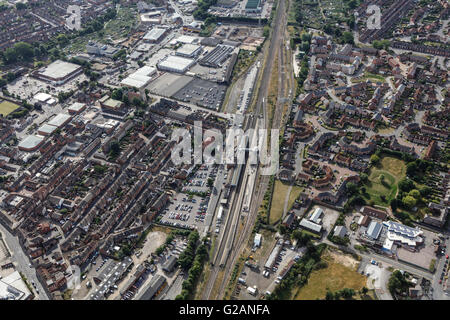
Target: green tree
409,202
374,159
415,193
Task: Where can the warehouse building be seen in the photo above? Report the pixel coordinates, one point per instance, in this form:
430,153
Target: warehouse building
170,263
155,35
46,130
31,143
189,50
253,6
217,57
76,108
157,284
58,72
140,79
60,120
175,64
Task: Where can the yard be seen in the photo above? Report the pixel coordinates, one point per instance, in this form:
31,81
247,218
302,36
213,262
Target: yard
7,107
381,186
341,273
278,199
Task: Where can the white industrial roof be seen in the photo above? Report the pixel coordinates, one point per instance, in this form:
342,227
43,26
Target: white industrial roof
77,106
154,34
59,69
310,225
42,96
185,39
59,120
140,77
31,142
46,128
188,48
176,63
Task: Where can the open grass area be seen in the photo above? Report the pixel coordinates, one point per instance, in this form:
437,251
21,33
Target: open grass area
392,170
115,29
336,276
279,196
7,107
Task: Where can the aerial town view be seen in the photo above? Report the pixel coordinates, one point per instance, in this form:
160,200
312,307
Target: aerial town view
224,150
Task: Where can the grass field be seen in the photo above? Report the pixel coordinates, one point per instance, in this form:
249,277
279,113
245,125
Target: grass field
393,170
336,276
279,196
7,107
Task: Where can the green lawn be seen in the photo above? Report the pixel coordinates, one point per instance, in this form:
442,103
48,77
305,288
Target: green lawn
336,276
278,198
7,107
393,170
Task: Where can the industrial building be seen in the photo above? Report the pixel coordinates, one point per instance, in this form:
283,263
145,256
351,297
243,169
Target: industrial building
170,263
31,143
76,108
12,287
140,79
46,130
58,72
60,120
253,6
155,35
100,49
217,57
189,50
311,226
157,284
175,64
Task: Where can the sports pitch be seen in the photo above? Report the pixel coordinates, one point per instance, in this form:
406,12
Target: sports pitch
7,107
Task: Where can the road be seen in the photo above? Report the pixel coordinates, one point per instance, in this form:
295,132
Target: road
21,262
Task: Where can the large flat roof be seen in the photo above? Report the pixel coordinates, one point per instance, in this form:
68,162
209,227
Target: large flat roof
177,63
31,142
59,120
188,49
59,69
140,77
154,34
47,129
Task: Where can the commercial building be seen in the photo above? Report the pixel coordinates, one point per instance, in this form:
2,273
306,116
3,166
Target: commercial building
189,50
60,120
46,130
157,284
402,235
311,226
31,143
170,263
175,64
257,240
253,6
140,79
273,256
12,287
155,35
58,72
76,108
100,49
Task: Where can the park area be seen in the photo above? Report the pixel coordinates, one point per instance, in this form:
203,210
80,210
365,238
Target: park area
7,107
382,183
340,273
280,192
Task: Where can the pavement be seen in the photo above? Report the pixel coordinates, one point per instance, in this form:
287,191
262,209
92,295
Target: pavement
21,262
